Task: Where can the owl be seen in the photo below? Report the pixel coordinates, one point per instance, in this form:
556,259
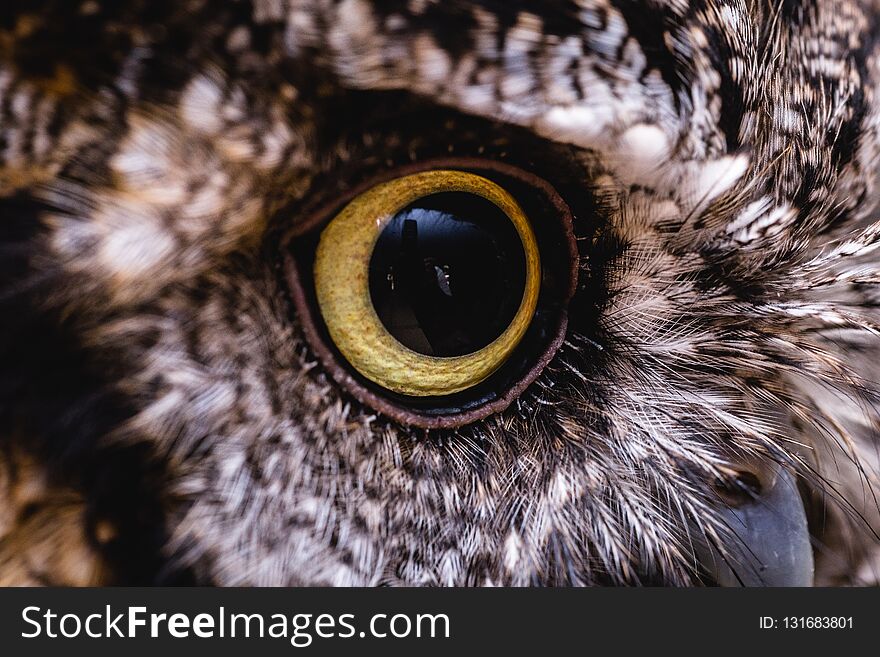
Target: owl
443,293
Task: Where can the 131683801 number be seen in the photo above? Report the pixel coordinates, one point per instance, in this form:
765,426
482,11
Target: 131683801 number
817,622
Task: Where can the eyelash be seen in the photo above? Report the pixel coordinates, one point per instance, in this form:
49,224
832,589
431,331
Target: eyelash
554,239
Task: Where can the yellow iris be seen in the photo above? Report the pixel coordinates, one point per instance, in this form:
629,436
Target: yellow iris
342,285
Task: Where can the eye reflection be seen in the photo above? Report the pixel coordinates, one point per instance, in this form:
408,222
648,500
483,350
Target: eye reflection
447,274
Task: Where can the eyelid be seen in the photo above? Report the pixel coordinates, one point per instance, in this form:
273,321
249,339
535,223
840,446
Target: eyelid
552,223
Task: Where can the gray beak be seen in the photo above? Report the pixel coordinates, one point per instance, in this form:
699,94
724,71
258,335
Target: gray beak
770,543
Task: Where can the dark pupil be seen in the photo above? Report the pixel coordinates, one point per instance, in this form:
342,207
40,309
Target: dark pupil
447,274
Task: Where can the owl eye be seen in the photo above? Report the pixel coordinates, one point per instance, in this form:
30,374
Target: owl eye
436,294
428,283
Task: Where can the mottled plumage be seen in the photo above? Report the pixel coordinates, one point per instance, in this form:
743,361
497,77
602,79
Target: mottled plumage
164,419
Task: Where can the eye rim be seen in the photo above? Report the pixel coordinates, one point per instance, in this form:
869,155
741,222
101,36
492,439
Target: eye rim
319,214
350,315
